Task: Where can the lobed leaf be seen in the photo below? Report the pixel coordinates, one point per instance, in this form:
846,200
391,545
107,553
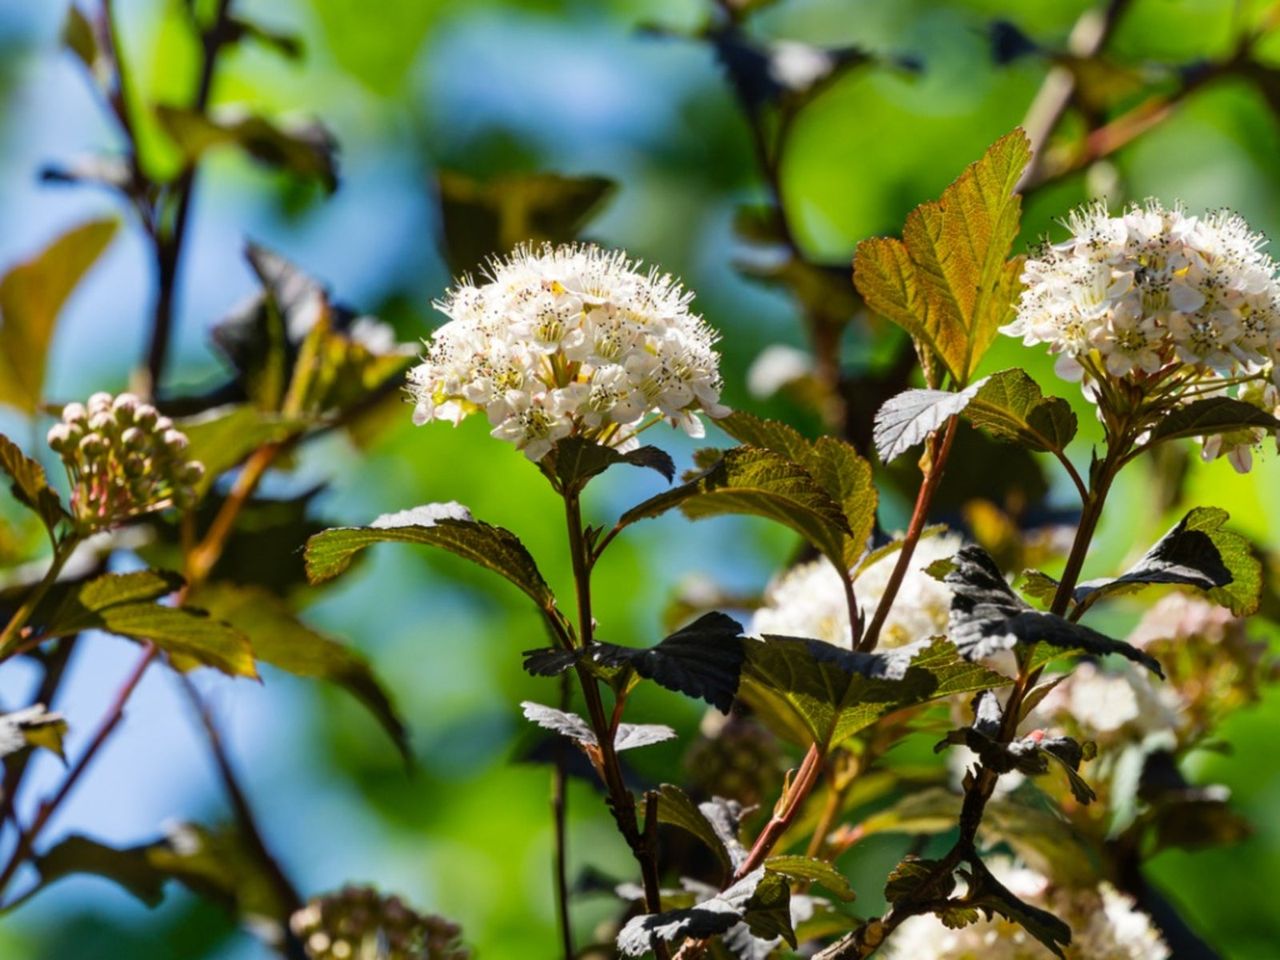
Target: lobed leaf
947,282
1010,406
812,869
1184,555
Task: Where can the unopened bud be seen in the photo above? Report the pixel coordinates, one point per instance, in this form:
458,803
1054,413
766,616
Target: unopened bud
163,424
133,438
92,446
100,403
175,441
125,407
59,437
146,416
74,413
192,472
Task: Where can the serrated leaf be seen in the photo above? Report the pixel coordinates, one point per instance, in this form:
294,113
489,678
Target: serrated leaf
304,149
279,638
30,485
947,282
774,435
114,603
1039,586
1010,406
846,477
811,869
1210,415
31,297
225,436
481,219
1242,594
812,692
702,659
905,420
987,617
32,726
836,466
330,553
678,810
756,482
1183,555
575,460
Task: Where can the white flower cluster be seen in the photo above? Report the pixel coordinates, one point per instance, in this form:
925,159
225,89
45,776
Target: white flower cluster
808,600
1156,296
1105,925
569,341
1110,707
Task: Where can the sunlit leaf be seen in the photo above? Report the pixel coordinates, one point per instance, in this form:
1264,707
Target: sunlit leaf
330,553
1242,594
32,726
31,297
1010,406
809,868
224,437
575,460
30,485
948,282
1183,555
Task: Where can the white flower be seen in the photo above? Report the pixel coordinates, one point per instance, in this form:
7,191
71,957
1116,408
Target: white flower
1111,706
808,600
569,341
1160,299
1105,925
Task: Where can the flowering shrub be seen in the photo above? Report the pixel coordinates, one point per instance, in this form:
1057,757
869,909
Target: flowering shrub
1065,736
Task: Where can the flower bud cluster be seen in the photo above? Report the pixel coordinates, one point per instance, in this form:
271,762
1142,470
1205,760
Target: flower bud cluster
1158,299
123,459
569,341
358,923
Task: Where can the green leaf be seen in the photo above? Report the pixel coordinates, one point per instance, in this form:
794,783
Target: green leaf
811,692
484,219
676,809
846,477
1183,555
330,553
575,460
225,436
947,282
767,913
30,485
1010,406
752,431
130,868
1242,594
834,464
279,638
817,871
1039,586
908,418
755,482
120,604
31,727
31,297
908,881
79,37
1210,415
305,149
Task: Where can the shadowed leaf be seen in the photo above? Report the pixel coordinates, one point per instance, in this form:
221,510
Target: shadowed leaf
1210,415
1183,555
30,485
1010,406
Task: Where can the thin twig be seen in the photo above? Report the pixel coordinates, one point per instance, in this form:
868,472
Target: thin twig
559,816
